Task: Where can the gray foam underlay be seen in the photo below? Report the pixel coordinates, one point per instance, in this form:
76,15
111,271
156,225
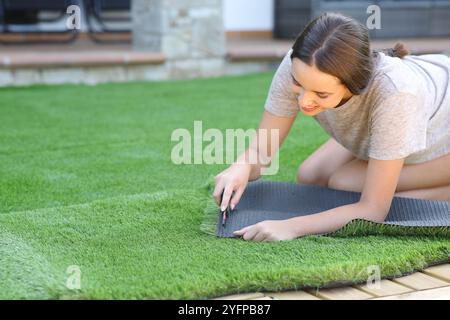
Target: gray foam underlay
270,200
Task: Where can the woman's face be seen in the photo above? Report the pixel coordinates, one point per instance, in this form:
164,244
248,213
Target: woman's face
316,90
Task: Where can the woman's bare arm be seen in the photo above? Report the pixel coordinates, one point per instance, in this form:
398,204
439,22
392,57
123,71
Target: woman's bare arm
376,199
231,183
261,149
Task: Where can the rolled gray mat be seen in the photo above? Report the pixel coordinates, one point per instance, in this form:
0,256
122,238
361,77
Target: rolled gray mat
270,200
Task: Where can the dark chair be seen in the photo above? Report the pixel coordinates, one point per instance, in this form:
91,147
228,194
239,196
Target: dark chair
25,13
97,18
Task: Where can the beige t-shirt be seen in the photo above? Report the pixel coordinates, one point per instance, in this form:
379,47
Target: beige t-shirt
403,113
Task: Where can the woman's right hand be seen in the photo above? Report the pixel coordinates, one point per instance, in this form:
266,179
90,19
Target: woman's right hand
231,182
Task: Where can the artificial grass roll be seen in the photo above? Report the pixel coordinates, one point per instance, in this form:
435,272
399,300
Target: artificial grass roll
271,200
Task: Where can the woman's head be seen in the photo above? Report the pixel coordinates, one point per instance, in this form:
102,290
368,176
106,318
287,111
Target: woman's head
331,61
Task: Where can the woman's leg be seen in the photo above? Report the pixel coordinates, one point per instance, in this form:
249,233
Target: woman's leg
438,193
427,180
322,163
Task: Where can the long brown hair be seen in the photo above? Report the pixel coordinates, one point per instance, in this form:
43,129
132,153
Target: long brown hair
339,45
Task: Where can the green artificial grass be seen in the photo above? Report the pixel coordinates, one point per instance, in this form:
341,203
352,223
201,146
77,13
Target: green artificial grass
86,180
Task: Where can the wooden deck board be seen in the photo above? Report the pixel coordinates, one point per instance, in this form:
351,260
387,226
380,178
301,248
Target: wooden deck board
291,295
343,293
420,281
263,298
430,294
385,288
441,272
243,296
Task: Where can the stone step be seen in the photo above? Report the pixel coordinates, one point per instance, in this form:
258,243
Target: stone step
77,59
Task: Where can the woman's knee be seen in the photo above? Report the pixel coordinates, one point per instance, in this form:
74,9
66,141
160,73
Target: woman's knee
320,165
311,174
339,181
349,177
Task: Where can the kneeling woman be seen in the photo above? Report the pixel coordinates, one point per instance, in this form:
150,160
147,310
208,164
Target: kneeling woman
388,115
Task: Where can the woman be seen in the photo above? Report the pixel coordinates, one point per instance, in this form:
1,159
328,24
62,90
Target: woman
388,115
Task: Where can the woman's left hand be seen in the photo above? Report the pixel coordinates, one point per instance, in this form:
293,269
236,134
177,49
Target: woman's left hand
269,230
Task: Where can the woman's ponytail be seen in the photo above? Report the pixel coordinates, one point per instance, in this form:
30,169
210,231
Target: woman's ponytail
398,51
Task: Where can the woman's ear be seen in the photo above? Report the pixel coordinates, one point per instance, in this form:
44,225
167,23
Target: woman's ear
347,93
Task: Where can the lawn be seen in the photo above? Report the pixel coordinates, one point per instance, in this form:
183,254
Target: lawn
86,180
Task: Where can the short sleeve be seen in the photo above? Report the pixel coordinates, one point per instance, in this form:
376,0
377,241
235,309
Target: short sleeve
281,100
397,127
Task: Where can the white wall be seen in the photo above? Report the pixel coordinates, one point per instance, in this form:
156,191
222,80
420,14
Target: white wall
248,15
